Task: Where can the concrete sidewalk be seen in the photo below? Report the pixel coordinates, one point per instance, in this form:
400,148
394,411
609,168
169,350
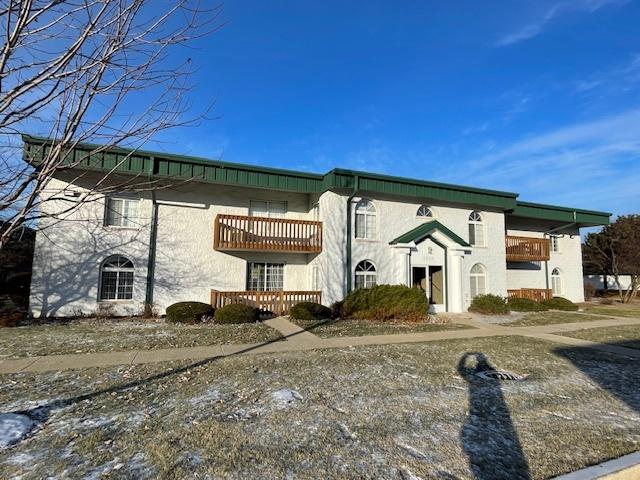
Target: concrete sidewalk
298,339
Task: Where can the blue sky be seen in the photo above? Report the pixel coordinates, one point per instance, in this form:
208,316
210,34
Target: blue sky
537,97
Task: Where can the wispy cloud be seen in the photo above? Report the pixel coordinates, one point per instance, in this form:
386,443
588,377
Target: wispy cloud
591,164
546,16
620,78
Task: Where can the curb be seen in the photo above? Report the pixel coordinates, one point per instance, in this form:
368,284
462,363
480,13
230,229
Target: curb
623,468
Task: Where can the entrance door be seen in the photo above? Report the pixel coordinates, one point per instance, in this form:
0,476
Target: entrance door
436,285
419,278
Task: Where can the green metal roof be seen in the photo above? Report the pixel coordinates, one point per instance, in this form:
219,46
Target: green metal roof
425,230
554,213
159,164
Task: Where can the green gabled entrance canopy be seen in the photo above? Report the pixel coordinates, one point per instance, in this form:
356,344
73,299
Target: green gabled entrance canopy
425,230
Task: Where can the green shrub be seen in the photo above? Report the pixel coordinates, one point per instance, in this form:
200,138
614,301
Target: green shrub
237,313
189,312
525,305
489,304
386,302
337,309
559,303
310,311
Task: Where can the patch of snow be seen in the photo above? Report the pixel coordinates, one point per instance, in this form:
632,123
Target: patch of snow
284,397
406,474
20,459
211,395
14,427
414,452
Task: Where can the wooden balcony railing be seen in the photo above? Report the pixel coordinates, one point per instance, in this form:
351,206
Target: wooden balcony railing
527,249
537,294
278,302
240,232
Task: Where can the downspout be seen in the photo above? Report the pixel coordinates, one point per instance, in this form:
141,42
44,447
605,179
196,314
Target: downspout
356,186
547,233
153,237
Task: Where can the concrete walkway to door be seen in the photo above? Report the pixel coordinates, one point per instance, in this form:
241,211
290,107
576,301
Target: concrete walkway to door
297,339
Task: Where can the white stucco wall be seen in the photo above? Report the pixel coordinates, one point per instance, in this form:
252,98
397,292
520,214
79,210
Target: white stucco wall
68,254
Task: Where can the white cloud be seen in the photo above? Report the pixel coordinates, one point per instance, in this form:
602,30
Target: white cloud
537,25
592,164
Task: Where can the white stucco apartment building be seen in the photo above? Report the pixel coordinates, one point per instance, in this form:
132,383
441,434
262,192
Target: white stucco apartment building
221,232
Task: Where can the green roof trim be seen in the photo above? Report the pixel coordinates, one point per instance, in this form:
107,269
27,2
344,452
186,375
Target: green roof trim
183,167
425,230
554,213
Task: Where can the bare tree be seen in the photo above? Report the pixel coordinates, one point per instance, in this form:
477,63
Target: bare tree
111,72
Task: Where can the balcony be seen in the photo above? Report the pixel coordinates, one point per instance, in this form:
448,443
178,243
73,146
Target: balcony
278,302
537,294
527,249
243,233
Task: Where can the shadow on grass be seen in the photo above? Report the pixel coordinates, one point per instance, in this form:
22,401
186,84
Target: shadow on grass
41,413
489,437
618,375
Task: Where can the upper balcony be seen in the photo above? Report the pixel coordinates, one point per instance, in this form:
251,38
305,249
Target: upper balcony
244,233
527,249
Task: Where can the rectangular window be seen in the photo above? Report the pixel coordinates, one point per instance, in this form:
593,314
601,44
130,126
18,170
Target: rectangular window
270,209
555,244
116,285
476,234
365,226
265,276
315,277
121,212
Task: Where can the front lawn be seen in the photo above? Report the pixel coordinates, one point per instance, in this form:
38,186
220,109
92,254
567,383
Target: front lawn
357,328
549,318
395,411
623,335
617,310
83,336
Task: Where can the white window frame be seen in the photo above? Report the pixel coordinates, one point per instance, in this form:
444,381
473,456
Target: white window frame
271,277
474,278
557,283
365,270
425,211
269,212
119,270
365,214
476,223
315,278
126,218
554,241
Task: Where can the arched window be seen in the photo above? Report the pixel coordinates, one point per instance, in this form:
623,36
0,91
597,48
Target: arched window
365,274
556,281
365,219
424,211
116,278
478,279
476,229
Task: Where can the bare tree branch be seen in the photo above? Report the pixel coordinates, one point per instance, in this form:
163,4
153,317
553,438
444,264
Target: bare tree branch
80,71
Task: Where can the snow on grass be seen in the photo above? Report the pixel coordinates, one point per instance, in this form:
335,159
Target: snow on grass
14,427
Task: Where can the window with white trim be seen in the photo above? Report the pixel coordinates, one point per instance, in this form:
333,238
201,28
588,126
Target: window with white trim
121,212
478,280
424,211
265,276
476,229
365,275
269,209
365,219
116,278
315,278
556,281
555,243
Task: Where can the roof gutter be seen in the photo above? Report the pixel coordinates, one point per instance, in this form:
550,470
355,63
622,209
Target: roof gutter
356,187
